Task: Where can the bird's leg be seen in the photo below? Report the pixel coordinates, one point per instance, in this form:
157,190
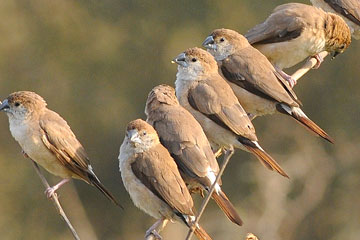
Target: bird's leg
292,82
319,60
153,229
51,190
24,154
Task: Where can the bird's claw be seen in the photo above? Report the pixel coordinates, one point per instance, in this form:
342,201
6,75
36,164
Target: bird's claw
154,233
319,60
49,192
24,154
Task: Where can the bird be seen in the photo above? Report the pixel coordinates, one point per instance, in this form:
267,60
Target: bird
254,80
209,98
295,31
152,179
349,10
47,139
187,143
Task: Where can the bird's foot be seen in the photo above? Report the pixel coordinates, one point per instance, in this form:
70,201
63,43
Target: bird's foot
291,81
49,192
319,60
154,233
24,154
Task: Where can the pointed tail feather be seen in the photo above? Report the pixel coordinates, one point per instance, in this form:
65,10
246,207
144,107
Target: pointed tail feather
201,234
226,206
264,158
95,181
300,116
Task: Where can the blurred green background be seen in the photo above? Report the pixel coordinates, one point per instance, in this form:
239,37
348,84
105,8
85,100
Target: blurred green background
95,62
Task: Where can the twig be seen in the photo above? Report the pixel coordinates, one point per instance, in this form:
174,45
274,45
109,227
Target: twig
307,66
227,157
162,226
56,201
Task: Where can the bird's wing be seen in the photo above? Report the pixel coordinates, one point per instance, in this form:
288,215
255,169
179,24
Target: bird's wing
282,25
348,8
251,70
215,99
182,135
158,172
61,141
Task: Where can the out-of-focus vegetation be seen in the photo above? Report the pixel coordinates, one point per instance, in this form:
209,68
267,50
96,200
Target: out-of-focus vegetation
95,62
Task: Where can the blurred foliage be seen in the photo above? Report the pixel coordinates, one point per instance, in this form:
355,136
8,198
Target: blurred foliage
95,62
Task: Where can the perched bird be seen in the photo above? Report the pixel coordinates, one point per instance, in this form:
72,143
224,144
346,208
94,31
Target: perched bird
151,177
47,139
348,9
184,138
254,80
295,31
209,98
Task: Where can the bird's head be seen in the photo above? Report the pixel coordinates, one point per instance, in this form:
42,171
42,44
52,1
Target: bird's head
195,62
338,35
161,94
22,104
223,42
141,135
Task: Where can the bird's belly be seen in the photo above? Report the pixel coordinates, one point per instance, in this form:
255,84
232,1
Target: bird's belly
289,53
36,150
252,103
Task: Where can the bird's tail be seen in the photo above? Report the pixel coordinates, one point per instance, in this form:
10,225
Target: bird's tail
201,234
264,157
300,116
226,206
95,181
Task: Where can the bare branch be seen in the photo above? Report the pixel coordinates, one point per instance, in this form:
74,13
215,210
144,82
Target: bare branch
307,66
56,201
227,157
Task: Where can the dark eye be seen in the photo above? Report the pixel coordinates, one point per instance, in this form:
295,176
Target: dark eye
194,60
17,104
144,133
222,39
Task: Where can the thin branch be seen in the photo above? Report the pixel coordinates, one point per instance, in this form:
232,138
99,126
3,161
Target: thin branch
227,157
151,236
308,66
56,201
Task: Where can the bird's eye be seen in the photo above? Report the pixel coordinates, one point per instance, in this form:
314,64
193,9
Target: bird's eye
194,60
17,104
222,39
144,133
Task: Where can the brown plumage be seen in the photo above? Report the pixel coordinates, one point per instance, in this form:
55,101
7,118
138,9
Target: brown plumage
184,138
255,82
48,140
349,10
295,31
152,179
207,96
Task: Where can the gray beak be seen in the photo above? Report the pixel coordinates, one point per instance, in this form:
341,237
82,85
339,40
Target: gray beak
134,136
181,60
4,105
209,43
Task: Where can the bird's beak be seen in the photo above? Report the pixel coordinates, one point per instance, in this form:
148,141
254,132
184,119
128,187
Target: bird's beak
209,43
4,105
181,60
334,54
134,136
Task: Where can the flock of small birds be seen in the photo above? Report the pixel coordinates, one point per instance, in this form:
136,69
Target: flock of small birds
218,92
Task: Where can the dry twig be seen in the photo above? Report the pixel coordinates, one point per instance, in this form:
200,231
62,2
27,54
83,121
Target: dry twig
309,64
56,201
227,157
